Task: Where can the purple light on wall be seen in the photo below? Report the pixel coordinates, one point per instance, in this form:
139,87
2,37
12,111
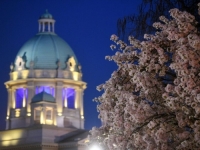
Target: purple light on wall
70,94
19,94
47,89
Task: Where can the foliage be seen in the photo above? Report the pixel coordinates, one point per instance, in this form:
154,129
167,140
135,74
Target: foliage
148,13
152,101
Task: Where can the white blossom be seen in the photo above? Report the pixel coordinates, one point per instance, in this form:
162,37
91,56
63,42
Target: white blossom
154,103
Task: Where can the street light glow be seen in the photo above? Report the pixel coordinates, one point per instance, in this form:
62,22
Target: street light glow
95,147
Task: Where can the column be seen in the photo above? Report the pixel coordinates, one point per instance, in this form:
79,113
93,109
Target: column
65,101
24,97
41,115
9,106
43,26
49,26
31,93
81,108
51,90
37,89
53,27
79,105
58,97
39,26
9,102
44,115
77,98
13,99
54,116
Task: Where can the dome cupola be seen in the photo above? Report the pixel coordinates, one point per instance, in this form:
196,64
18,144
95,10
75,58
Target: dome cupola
46,15
46,22
46,50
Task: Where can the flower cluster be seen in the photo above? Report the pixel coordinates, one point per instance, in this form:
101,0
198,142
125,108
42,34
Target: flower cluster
152,101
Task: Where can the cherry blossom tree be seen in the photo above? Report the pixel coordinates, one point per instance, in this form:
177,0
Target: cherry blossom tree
148,12
152,101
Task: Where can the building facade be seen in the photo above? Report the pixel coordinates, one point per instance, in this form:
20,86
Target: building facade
45,95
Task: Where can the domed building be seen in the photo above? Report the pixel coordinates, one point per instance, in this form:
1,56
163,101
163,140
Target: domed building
45,95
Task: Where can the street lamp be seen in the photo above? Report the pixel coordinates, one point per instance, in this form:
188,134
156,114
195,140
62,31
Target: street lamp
95,147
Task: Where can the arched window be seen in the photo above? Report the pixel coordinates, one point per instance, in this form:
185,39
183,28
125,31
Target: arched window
20,97
69,98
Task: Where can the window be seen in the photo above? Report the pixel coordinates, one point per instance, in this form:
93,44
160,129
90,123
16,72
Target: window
20,97
69,98
71,63
48,114
37,115
47,89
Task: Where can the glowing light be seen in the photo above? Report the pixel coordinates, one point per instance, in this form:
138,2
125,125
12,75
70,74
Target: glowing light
9,137
82,117
68,97
7,117
95,147
20,97
24,97
28,114
25,74
65,102
9,143
75,76
86,141
59,114
48,89
17,112
42,121
15,75
49,121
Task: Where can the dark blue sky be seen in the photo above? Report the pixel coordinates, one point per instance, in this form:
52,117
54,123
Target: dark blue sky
86,25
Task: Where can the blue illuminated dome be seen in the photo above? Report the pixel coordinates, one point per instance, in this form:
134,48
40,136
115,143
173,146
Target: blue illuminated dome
46,48
43,96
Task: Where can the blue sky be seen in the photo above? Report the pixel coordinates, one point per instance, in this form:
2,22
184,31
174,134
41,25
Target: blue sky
86,25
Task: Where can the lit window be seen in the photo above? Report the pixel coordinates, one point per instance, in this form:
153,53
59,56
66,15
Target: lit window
47,89
20,97
48,114
37,115
68,98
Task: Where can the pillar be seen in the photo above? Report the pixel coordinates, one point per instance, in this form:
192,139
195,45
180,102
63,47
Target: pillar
41,115
77,98
43,26
31,93
79,105
13,99
54,116
58,97
53,27
39,26
44,115
48,26
24,97
9,106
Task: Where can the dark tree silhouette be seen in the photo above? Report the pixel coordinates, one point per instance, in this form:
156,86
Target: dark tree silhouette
148,12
